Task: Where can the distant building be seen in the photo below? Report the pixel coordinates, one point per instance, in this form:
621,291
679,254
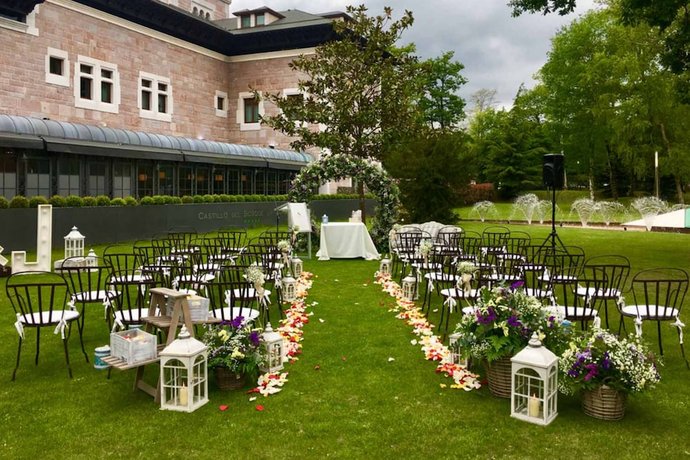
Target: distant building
146,97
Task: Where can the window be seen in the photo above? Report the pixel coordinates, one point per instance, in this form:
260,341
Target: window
201,10
8,175
249,110
25,23
260,19
166,179
96,179
233,181
144,180
38,177
122,180
247,182
68,177
221,104
259,182
218,181
96,85
57,67
186,180
202,182
155,97
271,183
246,21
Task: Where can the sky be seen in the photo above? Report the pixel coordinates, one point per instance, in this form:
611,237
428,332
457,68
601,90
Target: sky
498,51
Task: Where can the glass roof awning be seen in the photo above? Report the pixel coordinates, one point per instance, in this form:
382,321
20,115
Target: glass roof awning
81,139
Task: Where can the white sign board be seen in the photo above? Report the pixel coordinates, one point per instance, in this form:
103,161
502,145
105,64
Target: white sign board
298,216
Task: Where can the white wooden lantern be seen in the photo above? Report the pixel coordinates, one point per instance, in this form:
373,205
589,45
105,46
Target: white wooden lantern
74,244
289,289
385,266
534,384
91,259
297,267
184,374
271,350
409,287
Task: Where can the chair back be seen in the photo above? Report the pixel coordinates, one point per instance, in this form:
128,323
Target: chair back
117,259
230,297
86,283
661,290
612,270
39,297
129,297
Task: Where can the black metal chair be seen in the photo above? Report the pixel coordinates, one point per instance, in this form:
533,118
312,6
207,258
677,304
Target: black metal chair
128,299
658,295
39,300
613,272
577,302
231,298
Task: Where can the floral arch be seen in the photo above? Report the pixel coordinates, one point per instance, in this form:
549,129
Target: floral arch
333,167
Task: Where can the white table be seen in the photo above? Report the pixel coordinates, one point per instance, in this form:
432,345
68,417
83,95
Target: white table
346,240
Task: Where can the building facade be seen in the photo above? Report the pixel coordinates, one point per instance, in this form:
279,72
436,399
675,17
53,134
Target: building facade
135,98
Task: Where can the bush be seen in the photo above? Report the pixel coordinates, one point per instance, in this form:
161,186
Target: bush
175,200
475,193
74,201
157,199
217,198
208,198
169,199
89,201
120,201
240,198
129,201
198,198
103,200
146,201
187,199
57,201
226,198
4,203
36,200
19,201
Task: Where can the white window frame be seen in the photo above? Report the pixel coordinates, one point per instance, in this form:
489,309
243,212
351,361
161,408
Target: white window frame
96,103
240,112
28,27
61,80
153,113
224,111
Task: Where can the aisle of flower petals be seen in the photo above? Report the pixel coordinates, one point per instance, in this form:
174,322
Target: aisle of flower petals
290,328
432,346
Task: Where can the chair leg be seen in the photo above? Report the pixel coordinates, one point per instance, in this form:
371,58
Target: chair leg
19,352
658,331
38,343
81,337
69,368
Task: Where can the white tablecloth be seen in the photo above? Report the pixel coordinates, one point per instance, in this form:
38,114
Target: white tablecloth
346,240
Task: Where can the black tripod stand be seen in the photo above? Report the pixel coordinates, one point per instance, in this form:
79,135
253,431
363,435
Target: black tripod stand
554,178
553,239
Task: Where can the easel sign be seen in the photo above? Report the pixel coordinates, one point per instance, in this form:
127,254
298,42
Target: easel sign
299,216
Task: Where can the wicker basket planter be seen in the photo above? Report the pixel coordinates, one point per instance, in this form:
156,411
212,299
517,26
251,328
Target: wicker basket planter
604,403
229,380
498,375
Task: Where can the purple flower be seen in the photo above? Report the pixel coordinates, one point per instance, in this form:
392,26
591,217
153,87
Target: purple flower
237,322
254,338
514,322
606,362
591,372
517,285
488,318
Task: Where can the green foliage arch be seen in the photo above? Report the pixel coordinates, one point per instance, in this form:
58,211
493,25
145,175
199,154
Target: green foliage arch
338,166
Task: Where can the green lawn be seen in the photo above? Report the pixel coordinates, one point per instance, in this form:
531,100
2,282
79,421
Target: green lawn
344,397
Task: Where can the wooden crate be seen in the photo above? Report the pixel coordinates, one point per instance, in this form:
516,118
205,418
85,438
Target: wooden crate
133,346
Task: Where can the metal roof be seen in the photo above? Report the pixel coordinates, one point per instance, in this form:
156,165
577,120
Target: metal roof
61,136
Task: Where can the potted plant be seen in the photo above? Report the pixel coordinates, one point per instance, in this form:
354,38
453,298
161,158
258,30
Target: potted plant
501,324
604,369
233,351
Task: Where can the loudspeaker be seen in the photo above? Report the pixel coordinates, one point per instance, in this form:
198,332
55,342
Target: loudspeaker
553,170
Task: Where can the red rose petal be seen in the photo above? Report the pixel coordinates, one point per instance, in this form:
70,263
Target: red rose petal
223,407
259,407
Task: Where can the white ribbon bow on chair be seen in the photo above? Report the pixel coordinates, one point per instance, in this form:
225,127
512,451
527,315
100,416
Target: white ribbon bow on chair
451,303
680,325
638,326
71,305
61,325
106,305
19,326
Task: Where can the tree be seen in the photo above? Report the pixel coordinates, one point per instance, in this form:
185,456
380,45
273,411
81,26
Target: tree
431,172
358,88
440,105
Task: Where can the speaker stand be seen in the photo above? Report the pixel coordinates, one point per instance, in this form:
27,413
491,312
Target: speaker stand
553,240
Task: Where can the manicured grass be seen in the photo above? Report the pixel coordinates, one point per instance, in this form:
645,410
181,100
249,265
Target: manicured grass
344,398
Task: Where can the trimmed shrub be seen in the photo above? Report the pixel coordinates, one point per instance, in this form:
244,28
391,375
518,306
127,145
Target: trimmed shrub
57,201
169,199
208,199
120,202
198,198
187,199
4,203
146,201
102,200
229,198
217,198
19,201
129,201
89,201
157,199
74,201
240,198
36,200
175,200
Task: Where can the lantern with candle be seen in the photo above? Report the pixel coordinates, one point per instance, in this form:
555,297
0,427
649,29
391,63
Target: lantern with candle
409,287
271,350
183,374
534,383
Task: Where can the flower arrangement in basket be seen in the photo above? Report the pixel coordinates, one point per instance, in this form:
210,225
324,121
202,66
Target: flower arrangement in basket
467,271
233,345
604,369
503,321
